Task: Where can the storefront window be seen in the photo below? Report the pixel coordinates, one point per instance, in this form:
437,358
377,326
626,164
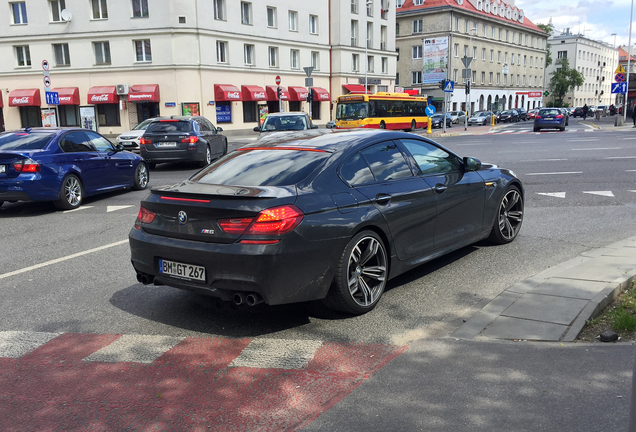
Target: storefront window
108,114
30,116
69,115
250,112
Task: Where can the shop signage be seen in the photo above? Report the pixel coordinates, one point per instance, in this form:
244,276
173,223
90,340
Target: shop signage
223,113
234,95
372,81
21,101
534,94
100,98
140,96
170,104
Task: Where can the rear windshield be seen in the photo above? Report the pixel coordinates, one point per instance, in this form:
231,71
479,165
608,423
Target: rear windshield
549,112
24,140
262,168
169,127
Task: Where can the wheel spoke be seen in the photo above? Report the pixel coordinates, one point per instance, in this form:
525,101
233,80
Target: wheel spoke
516,216
374,272
509,228
367,292
370,252
353,284
513,201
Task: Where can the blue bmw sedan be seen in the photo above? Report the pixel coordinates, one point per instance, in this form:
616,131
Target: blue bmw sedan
64,165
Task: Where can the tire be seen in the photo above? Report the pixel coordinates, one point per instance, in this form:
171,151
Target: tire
141,177
537,129
509,217
71,193
562,128
152,165
1,202
208,157
357,286
413,125
382,125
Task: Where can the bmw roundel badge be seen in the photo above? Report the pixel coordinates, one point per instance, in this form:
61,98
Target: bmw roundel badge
183,217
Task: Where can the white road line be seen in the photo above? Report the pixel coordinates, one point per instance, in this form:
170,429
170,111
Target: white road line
135,349
556,173
630,170
629,138
277,353
597,148
601,193
620,157
78,209
115,208
582,140
553,194
58,260
542,160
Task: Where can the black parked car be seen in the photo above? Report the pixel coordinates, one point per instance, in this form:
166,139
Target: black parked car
329,218
509,116
523,114
436,120
578,112
182,139
498,116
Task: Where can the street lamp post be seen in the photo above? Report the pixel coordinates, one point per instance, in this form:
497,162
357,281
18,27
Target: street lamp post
469,78
629,58
366,54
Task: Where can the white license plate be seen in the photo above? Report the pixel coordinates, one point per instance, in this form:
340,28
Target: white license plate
182,271
166,144
3,168
548,118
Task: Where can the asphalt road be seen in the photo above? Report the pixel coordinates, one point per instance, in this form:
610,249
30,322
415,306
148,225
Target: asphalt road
579,195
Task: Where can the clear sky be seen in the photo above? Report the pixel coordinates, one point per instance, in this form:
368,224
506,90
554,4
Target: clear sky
595,19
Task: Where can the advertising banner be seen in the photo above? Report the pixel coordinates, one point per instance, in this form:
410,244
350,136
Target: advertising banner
49,118
190,109
88,118
435,55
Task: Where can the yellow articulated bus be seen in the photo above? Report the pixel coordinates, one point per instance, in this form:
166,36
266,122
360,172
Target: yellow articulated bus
381,111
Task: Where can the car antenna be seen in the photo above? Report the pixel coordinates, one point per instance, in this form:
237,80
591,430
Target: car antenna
28,129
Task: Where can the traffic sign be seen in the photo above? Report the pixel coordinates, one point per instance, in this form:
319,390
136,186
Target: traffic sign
45,65
308,70
309,82
429,110
619,69
619,77
467,60
450,87
619,87
277,80
47,81
52,98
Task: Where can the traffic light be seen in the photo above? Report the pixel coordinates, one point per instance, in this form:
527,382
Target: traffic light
442,84
279,92
310,96
467,87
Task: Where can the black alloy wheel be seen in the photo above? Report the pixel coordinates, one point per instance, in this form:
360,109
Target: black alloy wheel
509,217
361,275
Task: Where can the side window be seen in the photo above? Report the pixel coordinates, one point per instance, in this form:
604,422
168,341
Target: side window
429,158
99,142
75,142
356,171
386,161
209,125
196,126
203,125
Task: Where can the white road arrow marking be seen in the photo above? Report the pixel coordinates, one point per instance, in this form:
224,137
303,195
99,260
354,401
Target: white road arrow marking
115,208
601,193
553,194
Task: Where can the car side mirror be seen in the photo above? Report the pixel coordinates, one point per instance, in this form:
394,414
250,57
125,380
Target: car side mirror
313,126
218,129
119,147
472,164
257,129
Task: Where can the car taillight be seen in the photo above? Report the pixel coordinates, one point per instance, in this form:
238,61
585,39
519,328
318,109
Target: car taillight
27,166
273,221
191,139
145,216
537,116
144,141
559,116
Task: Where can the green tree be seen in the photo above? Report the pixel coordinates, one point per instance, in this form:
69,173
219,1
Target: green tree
563,80
548,54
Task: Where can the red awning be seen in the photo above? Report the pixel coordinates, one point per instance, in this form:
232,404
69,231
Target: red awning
356,89
413,92
1,105
298,94
68,95
144,93
320,94
102,95
226,92
253,93
24,97
272,93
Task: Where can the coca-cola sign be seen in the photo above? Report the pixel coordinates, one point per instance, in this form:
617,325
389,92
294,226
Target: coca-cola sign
233,95
100,98
21,101
260,95
133,96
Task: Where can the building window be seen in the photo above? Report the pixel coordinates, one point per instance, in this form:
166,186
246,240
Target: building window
313,24
417,52
505,79
498,77
418,2
62,57
465,50
369,7
485,30
23,55
142,50
416,77
108,114
483,77
465,26
100,9
250,112
219,9
369,35
417,26
512,58
370,63
355,62
294,55
455,74
456,24
271,17
562,54
507,33
354,6
483,54
492,56
524,80
397,79
315,60
273,56
492,32
397,29
248,54
456,50
140,8
293,21
102,53
519,59
512,79
354,33
221,52
490,78
524,61
246,13
514,37
19,12
383,38
474,76
385,65
499,34
498,56
397,50
57,6
506,58
474,52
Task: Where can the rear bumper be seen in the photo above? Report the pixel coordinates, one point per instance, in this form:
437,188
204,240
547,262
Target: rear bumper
291,271
29,187
172,155
549,124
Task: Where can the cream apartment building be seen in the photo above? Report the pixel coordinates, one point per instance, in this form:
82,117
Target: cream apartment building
128,60
507,50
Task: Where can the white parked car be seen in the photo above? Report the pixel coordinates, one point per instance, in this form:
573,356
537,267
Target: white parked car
130,139
480,118
458,116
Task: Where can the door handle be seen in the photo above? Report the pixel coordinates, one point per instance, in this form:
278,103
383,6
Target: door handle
440,188
382,199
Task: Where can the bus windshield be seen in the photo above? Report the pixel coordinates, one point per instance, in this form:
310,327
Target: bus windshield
352,111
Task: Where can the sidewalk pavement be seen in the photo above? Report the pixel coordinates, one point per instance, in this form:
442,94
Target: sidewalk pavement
554,305
608,123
